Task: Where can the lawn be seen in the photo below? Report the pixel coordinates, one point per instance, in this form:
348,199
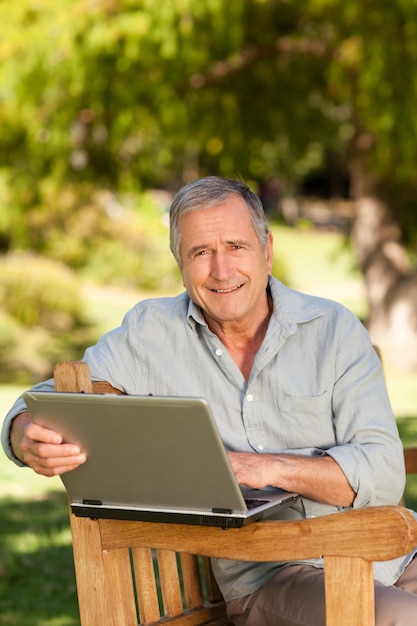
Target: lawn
37,585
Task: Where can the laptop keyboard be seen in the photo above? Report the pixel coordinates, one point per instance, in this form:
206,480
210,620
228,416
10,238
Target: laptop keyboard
251,504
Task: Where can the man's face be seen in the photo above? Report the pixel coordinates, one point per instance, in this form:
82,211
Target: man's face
224,269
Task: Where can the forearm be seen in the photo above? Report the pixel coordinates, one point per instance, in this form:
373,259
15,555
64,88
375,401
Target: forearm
317,478
17,431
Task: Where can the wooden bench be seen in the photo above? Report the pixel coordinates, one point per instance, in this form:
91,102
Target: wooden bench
147,573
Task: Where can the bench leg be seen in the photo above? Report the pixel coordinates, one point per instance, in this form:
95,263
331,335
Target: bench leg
102,582
349,589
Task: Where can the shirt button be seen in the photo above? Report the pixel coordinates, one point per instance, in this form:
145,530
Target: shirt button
219,352
249,397
260,447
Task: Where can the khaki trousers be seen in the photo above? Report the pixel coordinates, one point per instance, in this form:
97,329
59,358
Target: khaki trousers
294,596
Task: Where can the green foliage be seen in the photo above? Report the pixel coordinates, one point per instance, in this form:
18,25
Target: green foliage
42,312
134,250
371,72
38,292
41,317
92,231
127,95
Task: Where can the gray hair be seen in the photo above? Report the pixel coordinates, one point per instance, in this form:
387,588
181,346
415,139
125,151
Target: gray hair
209,192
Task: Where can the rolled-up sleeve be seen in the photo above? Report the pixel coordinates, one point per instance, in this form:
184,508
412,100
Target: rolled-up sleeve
368,450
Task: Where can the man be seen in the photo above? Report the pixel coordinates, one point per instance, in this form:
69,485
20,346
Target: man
295,385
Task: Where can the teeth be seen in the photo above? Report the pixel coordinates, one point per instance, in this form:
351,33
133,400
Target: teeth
226,290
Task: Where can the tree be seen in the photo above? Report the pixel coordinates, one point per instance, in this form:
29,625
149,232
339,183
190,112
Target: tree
129,94
345,84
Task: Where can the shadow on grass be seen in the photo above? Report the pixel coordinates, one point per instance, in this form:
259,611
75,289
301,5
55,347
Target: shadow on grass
37,581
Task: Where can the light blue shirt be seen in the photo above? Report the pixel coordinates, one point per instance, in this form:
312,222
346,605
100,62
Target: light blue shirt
316,388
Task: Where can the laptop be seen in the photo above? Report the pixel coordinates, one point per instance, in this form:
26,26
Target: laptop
151,458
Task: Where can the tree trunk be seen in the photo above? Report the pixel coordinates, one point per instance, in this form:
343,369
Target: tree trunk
391,286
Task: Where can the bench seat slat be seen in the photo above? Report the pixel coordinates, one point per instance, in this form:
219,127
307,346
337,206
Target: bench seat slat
190,570
146,588
170,584
121,597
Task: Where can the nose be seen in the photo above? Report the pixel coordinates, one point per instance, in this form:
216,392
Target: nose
221,266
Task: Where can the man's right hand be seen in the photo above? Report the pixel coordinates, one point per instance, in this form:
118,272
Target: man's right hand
42,449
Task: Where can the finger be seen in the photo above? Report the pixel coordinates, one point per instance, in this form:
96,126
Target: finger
50,472
35,432
46,455
53,451
53,464
47,443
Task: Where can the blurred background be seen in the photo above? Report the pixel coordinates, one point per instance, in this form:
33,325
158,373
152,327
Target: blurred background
107,107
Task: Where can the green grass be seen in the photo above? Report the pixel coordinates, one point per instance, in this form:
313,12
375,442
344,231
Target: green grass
37,582
37,586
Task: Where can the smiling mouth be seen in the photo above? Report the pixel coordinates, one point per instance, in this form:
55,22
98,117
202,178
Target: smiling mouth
227,290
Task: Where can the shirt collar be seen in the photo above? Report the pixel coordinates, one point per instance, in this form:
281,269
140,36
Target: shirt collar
195,315
293,307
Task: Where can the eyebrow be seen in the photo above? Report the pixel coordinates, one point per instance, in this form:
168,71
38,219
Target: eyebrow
205,246
196,249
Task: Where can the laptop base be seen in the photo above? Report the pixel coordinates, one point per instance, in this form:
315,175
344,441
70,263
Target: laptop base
103,512
98,511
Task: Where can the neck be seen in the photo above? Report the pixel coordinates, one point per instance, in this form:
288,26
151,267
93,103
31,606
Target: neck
244,341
